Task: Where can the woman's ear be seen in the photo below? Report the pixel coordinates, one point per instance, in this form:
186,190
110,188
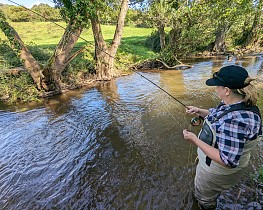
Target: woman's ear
227,91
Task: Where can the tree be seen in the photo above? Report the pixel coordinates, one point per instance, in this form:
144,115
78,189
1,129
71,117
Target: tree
225,13
78,15
18,14
48,13
160,14
104,54
252,36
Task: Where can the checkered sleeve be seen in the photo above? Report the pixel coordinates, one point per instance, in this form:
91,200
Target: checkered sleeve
231,138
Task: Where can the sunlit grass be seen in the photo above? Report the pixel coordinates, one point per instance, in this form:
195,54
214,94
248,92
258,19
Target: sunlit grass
47,35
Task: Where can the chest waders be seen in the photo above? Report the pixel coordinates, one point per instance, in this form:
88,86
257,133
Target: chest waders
208,135
212,178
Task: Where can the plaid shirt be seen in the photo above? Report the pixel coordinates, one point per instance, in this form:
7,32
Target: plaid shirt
232,131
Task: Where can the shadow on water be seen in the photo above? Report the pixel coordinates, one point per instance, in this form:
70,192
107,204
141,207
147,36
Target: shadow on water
116,146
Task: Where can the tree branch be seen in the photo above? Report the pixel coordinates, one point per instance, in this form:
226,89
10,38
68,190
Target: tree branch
74,55
176,66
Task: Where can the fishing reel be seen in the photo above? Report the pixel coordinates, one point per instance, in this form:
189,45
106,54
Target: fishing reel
196,121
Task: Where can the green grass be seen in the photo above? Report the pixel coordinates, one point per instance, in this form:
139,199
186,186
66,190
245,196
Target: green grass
46,35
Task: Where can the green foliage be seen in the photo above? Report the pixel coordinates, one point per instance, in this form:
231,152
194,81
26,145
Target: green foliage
108,13
168,56
195,24
153,41
161,12
2,15
49,13
9,33
80,68
260,177
76,11
20,14
138,18
8,58
40,54
17,88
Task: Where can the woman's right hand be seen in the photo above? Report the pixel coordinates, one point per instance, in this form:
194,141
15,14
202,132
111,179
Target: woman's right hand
197,111
192,110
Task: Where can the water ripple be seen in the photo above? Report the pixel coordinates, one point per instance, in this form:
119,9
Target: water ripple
116,146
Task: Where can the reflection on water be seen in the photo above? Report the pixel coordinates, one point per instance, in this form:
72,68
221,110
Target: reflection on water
116,146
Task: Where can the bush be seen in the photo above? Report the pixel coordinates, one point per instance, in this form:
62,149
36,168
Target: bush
153,42
8,58
17,88
40,54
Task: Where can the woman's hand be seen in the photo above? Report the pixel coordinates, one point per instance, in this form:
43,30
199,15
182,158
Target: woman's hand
189,136
192,110
210,151
197,111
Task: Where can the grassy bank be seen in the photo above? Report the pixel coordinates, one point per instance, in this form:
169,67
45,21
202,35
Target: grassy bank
42,38
45,35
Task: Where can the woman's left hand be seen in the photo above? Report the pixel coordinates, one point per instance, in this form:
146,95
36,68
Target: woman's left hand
189,136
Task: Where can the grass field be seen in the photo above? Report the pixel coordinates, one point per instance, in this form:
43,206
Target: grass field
46,35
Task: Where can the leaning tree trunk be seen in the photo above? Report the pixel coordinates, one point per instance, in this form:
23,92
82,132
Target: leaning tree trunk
219,44
30,63
61,57
105,56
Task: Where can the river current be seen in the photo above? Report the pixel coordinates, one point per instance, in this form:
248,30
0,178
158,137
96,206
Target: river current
118,145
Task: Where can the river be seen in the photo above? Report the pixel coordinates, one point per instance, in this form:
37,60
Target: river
118,145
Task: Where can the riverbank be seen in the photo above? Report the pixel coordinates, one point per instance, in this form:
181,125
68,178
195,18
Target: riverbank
41,39
18,86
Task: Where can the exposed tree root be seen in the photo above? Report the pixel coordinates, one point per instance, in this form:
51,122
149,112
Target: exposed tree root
159,64
179,66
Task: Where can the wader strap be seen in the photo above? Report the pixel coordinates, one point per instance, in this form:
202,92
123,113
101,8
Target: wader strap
208,160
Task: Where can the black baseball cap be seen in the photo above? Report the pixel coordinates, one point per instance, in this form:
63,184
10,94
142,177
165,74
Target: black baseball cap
231,76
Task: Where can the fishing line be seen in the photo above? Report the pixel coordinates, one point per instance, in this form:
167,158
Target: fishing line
194,121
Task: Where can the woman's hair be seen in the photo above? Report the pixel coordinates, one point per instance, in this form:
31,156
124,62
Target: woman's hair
249,92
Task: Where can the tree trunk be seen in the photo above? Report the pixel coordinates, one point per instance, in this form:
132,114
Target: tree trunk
253,34
30,63
162,35
60,58
118,33
219,44
101,52
105,56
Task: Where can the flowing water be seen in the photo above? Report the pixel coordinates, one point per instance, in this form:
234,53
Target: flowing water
116,146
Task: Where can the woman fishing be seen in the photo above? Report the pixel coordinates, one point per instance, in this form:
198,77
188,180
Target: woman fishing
229,133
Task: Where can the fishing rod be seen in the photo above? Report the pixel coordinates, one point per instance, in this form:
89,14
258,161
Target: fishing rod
195,121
